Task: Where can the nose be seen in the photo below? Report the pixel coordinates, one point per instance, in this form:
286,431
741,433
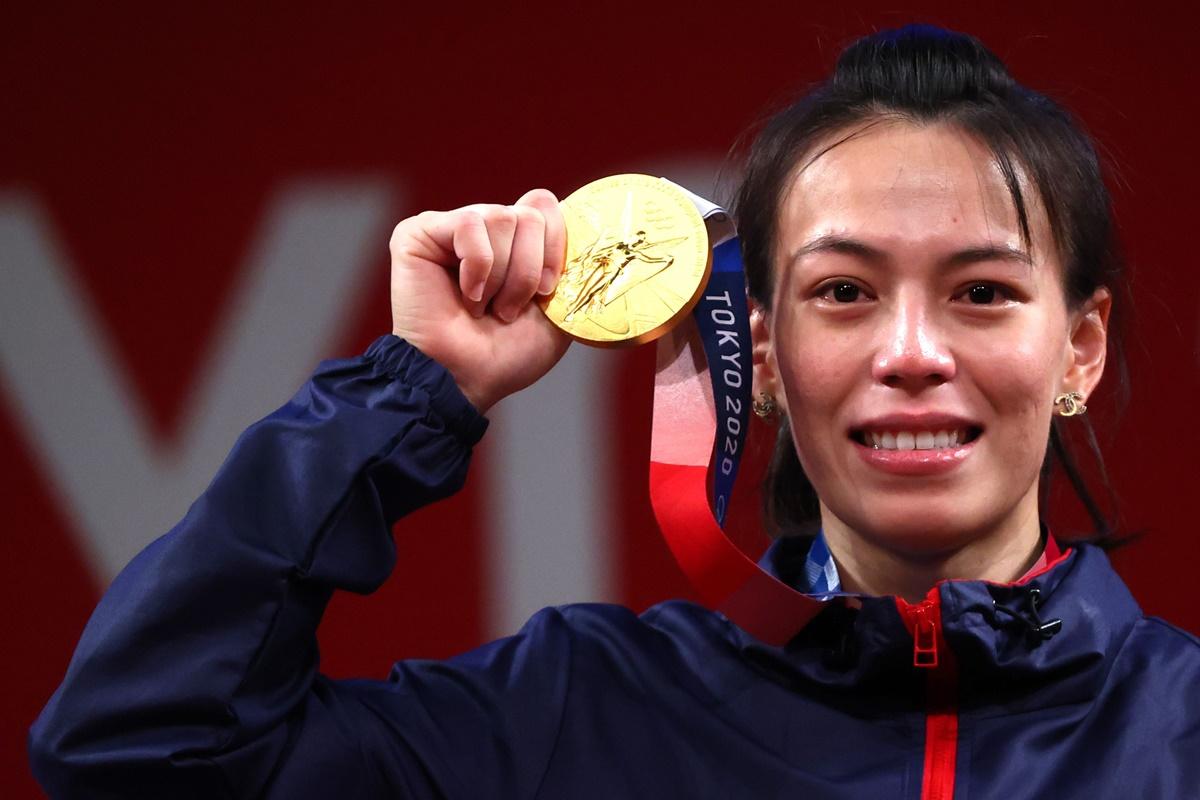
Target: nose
913,353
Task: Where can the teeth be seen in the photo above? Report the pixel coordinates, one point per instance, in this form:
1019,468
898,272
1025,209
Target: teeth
915,440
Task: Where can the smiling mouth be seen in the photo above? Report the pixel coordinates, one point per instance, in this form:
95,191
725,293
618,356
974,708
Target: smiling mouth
916,440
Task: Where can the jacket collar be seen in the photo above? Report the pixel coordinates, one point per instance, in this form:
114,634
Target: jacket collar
987,626
819,576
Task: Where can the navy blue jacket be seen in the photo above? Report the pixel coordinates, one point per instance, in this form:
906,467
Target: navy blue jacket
197,674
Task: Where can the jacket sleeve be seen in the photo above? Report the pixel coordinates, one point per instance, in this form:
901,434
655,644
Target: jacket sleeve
197,674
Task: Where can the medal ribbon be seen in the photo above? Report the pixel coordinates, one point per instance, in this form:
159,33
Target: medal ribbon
699,429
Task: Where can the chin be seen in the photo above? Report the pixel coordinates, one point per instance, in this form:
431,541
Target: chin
923,528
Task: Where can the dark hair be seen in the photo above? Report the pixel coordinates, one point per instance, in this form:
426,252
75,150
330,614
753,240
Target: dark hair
924,74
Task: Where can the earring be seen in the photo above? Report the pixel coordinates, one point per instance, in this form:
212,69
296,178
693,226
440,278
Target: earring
764,405
1069,404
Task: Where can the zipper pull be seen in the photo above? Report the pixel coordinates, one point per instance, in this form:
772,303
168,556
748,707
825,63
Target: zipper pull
925,652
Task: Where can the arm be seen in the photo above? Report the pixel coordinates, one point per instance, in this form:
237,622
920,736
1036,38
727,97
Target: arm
197,674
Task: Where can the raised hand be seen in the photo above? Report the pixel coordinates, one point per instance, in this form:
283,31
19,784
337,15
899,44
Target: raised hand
462,286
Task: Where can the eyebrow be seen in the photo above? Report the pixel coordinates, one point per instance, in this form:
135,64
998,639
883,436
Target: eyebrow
844,245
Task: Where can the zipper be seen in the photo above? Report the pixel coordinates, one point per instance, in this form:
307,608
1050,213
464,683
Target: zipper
930,653
925,623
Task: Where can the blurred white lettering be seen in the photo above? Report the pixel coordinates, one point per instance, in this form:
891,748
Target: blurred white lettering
121,488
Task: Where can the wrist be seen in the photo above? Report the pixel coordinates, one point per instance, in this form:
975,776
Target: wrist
480,399
400,360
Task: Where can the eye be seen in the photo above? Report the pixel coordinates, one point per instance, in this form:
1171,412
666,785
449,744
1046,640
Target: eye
840,292
845,292
985,294
981,294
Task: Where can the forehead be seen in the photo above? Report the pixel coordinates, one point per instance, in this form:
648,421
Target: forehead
902,186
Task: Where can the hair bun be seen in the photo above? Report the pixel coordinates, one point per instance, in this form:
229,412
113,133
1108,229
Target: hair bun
920,67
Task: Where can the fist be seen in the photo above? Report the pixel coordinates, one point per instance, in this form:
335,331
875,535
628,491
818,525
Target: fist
461,291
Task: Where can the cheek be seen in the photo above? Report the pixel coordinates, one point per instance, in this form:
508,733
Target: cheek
1016,379
817,384
1009,376
817,368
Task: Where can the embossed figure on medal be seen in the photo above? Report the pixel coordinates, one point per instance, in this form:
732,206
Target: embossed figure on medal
637,259
604,283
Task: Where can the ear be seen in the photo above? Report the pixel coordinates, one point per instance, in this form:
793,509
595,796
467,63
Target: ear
1088,344
762,355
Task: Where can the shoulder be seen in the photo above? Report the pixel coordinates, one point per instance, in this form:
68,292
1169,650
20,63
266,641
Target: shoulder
577,635
670,624
1158,668
1156,637
675,642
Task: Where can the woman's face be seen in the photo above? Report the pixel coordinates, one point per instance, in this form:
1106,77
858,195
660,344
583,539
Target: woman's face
915,342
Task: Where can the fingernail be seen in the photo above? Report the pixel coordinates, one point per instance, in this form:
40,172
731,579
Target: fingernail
546,285
476,292
505,314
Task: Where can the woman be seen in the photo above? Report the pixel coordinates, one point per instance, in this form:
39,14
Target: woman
929,253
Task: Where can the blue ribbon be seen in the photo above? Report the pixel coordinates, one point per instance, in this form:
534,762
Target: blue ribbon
820,573
723,317
724,322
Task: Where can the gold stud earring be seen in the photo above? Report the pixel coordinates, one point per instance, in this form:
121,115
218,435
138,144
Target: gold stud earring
1069,404
764,405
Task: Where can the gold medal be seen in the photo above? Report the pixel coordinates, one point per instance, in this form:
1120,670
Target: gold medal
637,260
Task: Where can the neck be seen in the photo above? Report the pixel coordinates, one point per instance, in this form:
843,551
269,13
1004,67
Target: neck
875,565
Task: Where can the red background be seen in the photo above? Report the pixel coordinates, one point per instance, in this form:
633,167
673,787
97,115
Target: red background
153,138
